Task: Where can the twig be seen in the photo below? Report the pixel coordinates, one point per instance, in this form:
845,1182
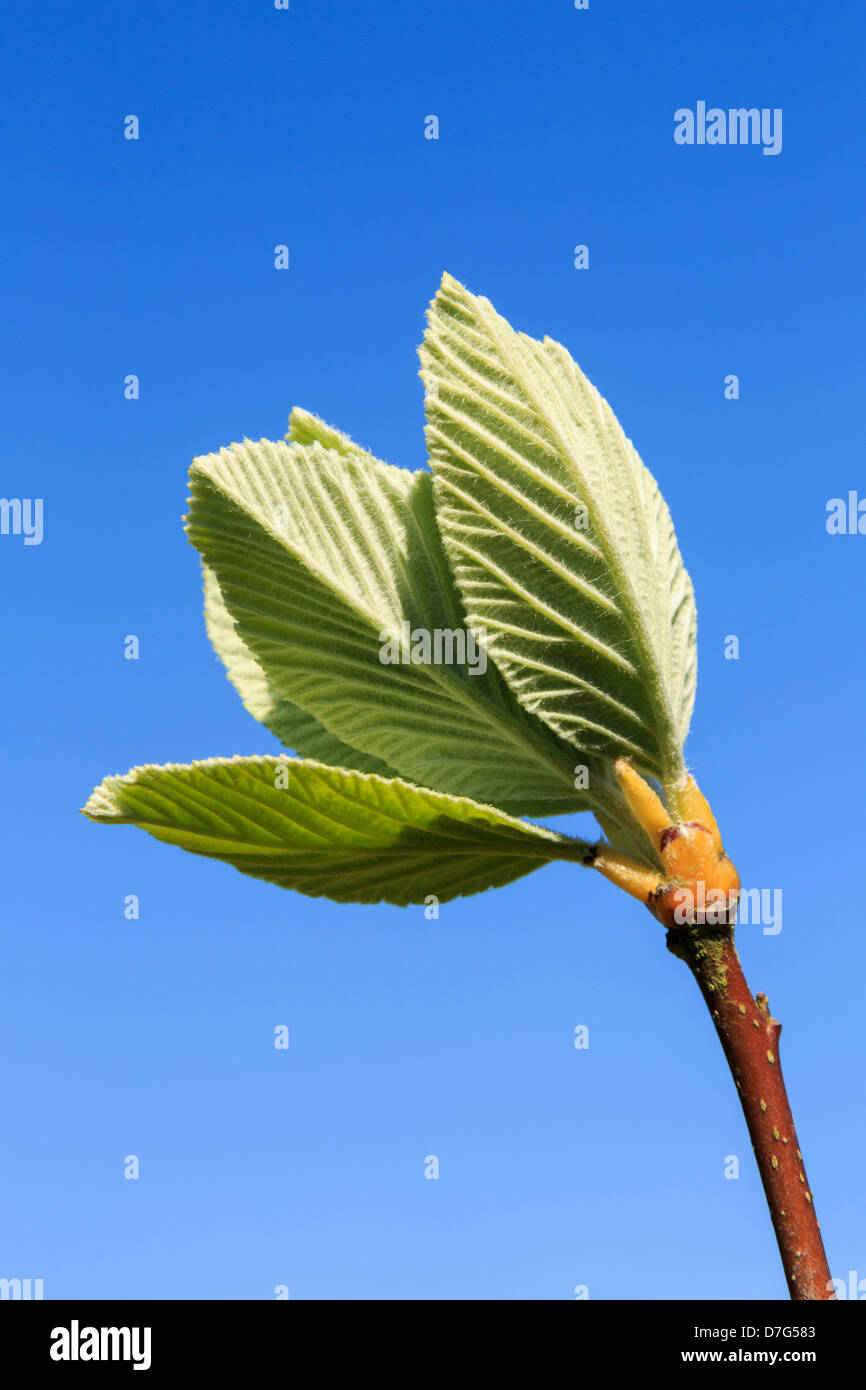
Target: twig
750,1038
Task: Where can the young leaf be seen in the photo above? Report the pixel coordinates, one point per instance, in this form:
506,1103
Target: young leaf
560,541
305,428
329,832
295,727
325,560
292,725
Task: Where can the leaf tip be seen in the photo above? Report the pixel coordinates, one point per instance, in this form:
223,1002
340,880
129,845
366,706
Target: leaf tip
102,803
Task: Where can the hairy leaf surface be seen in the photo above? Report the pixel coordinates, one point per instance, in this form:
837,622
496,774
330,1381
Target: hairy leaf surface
322,557
560,541
326,831
292,725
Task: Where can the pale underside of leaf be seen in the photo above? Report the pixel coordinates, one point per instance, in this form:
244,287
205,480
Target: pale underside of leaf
560,541
292,725
325,831
295,727
318,553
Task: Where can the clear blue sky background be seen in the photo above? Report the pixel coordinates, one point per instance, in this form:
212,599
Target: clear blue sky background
409,1037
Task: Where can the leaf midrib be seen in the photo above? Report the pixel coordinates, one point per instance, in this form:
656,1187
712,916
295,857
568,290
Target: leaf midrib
666,735
437,676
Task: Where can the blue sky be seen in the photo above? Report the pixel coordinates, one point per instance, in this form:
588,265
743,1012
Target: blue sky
558,1167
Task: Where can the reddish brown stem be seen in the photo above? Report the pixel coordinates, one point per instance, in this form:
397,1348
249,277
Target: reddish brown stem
750,1039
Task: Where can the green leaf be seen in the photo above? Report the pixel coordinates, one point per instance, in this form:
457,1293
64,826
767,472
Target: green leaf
322,557
326,831
560,541
305,428
293,726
